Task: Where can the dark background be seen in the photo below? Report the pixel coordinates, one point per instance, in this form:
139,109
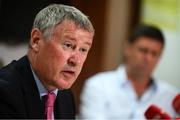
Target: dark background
16,18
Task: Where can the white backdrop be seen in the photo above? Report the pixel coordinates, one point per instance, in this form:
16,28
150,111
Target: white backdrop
166,15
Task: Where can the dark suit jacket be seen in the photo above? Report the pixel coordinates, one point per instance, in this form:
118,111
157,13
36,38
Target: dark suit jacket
19,95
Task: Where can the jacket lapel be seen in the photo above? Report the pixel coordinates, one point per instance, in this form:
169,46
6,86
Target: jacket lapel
32,99
64,105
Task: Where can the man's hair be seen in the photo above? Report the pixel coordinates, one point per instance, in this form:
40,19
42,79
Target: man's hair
51,16
147,31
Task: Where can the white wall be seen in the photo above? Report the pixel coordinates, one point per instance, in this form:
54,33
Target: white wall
166,15
169,66
12,52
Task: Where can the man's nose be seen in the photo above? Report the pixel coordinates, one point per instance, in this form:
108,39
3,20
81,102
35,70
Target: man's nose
149,56
74,59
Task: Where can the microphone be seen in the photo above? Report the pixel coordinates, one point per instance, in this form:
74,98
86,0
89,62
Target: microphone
176,103
154,112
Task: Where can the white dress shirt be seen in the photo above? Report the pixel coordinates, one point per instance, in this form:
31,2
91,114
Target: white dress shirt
110,95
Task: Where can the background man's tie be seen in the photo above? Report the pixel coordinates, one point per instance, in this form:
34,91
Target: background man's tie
49,105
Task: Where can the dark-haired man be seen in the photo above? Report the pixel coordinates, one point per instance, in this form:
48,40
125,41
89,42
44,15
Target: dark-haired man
127,92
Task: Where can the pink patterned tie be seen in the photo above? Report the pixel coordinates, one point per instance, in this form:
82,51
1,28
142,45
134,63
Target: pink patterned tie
49,105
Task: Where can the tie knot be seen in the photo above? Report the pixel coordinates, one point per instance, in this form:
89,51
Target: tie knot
50,99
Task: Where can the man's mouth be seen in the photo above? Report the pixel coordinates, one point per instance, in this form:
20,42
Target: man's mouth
68,73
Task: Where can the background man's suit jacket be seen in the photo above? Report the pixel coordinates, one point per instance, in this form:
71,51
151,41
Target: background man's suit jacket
19,95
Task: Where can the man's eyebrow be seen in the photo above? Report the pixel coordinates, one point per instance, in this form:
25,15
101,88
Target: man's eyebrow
70,37
74,39
88,43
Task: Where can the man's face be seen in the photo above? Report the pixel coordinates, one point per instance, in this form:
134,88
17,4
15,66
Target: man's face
143,55
60,57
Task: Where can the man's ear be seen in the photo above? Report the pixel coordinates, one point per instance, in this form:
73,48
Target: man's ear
36,36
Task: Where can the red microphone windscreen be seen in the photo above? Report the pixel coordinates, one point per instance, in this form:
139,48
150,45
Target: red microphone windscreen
154,112
176,103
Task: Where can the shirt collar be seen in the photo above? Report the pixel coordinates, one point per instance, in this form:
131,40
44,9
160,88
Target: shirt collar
154,83
123,80
122,77
42,90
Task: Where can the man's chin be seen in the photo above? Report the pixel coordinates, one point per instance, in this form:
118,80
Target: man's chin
64,86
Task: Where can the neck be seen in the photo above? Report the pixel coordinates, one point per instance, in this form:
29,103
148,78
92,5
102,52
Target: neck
140,83
33,61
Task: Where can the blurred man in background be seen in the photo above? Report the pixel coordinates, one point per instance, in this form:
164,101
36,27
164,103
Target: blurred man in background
127,92
37,85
